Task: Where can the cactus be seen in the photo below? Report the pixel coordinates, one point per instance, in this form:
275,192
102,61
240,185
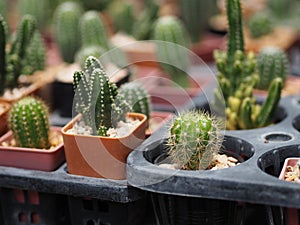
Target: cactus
29,123
66,29
3,39
3,8
92,30
97,98
35,57
143,25
195,15
137,97
98,5
84,53
18,50
194,140
272,62
172,57
259,24
237,76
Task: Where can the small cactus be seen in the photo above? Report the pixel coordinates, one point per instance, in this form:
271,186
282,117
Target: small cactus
66,29
172,57
137,97
194,140
238,75
272,62
29,123
35,57
97,98
259,24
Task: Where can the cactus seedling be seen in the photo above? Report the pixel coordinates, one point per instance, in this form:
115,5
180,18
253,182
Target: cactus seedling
272,62
173,57
194,140
97,98
29,123
237,76
137,97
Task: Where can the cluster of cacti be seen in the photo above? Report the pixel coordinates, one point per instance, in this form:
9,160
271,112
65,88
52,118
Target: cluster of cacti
66,29
11,61
35,57
260,24
38,9
272,62
195,15
137,97
237,76
194,140
29,123
97,98
142,27
171,49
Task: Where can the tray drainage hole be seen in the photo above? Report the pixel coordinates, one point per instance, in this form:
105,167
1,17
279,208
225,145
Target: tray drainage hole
277,138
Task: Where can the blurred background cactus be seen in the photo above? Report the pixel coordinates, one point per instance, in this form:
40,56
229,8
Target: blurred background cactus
29,122
260,24
97,98
237,76
11,59
171,48
272,62
194,140
66,29
3,8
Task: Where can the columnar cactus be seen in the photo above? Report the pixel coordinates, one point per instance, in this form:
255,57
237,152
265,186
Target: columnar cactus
97,98
172,38
66,29
272,62
3,39
35,57
194,140
137,97
29,123
13,59
259,24
237,76
195,15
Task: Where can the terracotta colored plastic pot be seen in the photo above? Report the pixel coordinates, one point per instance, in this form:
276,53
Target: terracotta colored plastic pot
98,156
31,158
3,117
291,213
31,89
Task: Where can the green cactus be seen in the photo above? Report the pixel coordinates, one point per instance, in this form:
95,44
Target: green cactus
97,98
38,9
137,97
260,24
237,76
29,123
84,53
3,8
195,15
143,25
3,39
272,62
98,5
173,57
66,29
35,57
194,140
18,49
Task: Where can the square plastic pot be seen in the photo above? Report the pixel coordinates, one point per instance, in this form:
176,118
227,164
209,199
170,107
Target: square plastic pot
98,156
30,158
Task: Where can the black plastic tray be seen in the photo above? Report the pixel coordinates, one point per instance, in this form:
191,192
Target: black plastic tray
253,181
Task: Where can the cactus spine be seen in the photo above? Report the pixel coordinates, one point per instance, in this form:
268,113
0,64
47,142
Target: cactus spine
97,98
137,97
237,76
272,62
194,140
29,123
35,58
172,57
66,29
18,50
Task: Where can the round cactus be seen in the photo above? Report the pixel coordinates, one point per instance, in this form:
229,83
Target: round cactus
260,24
194,140
137,97
29,123
172,37
272,62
